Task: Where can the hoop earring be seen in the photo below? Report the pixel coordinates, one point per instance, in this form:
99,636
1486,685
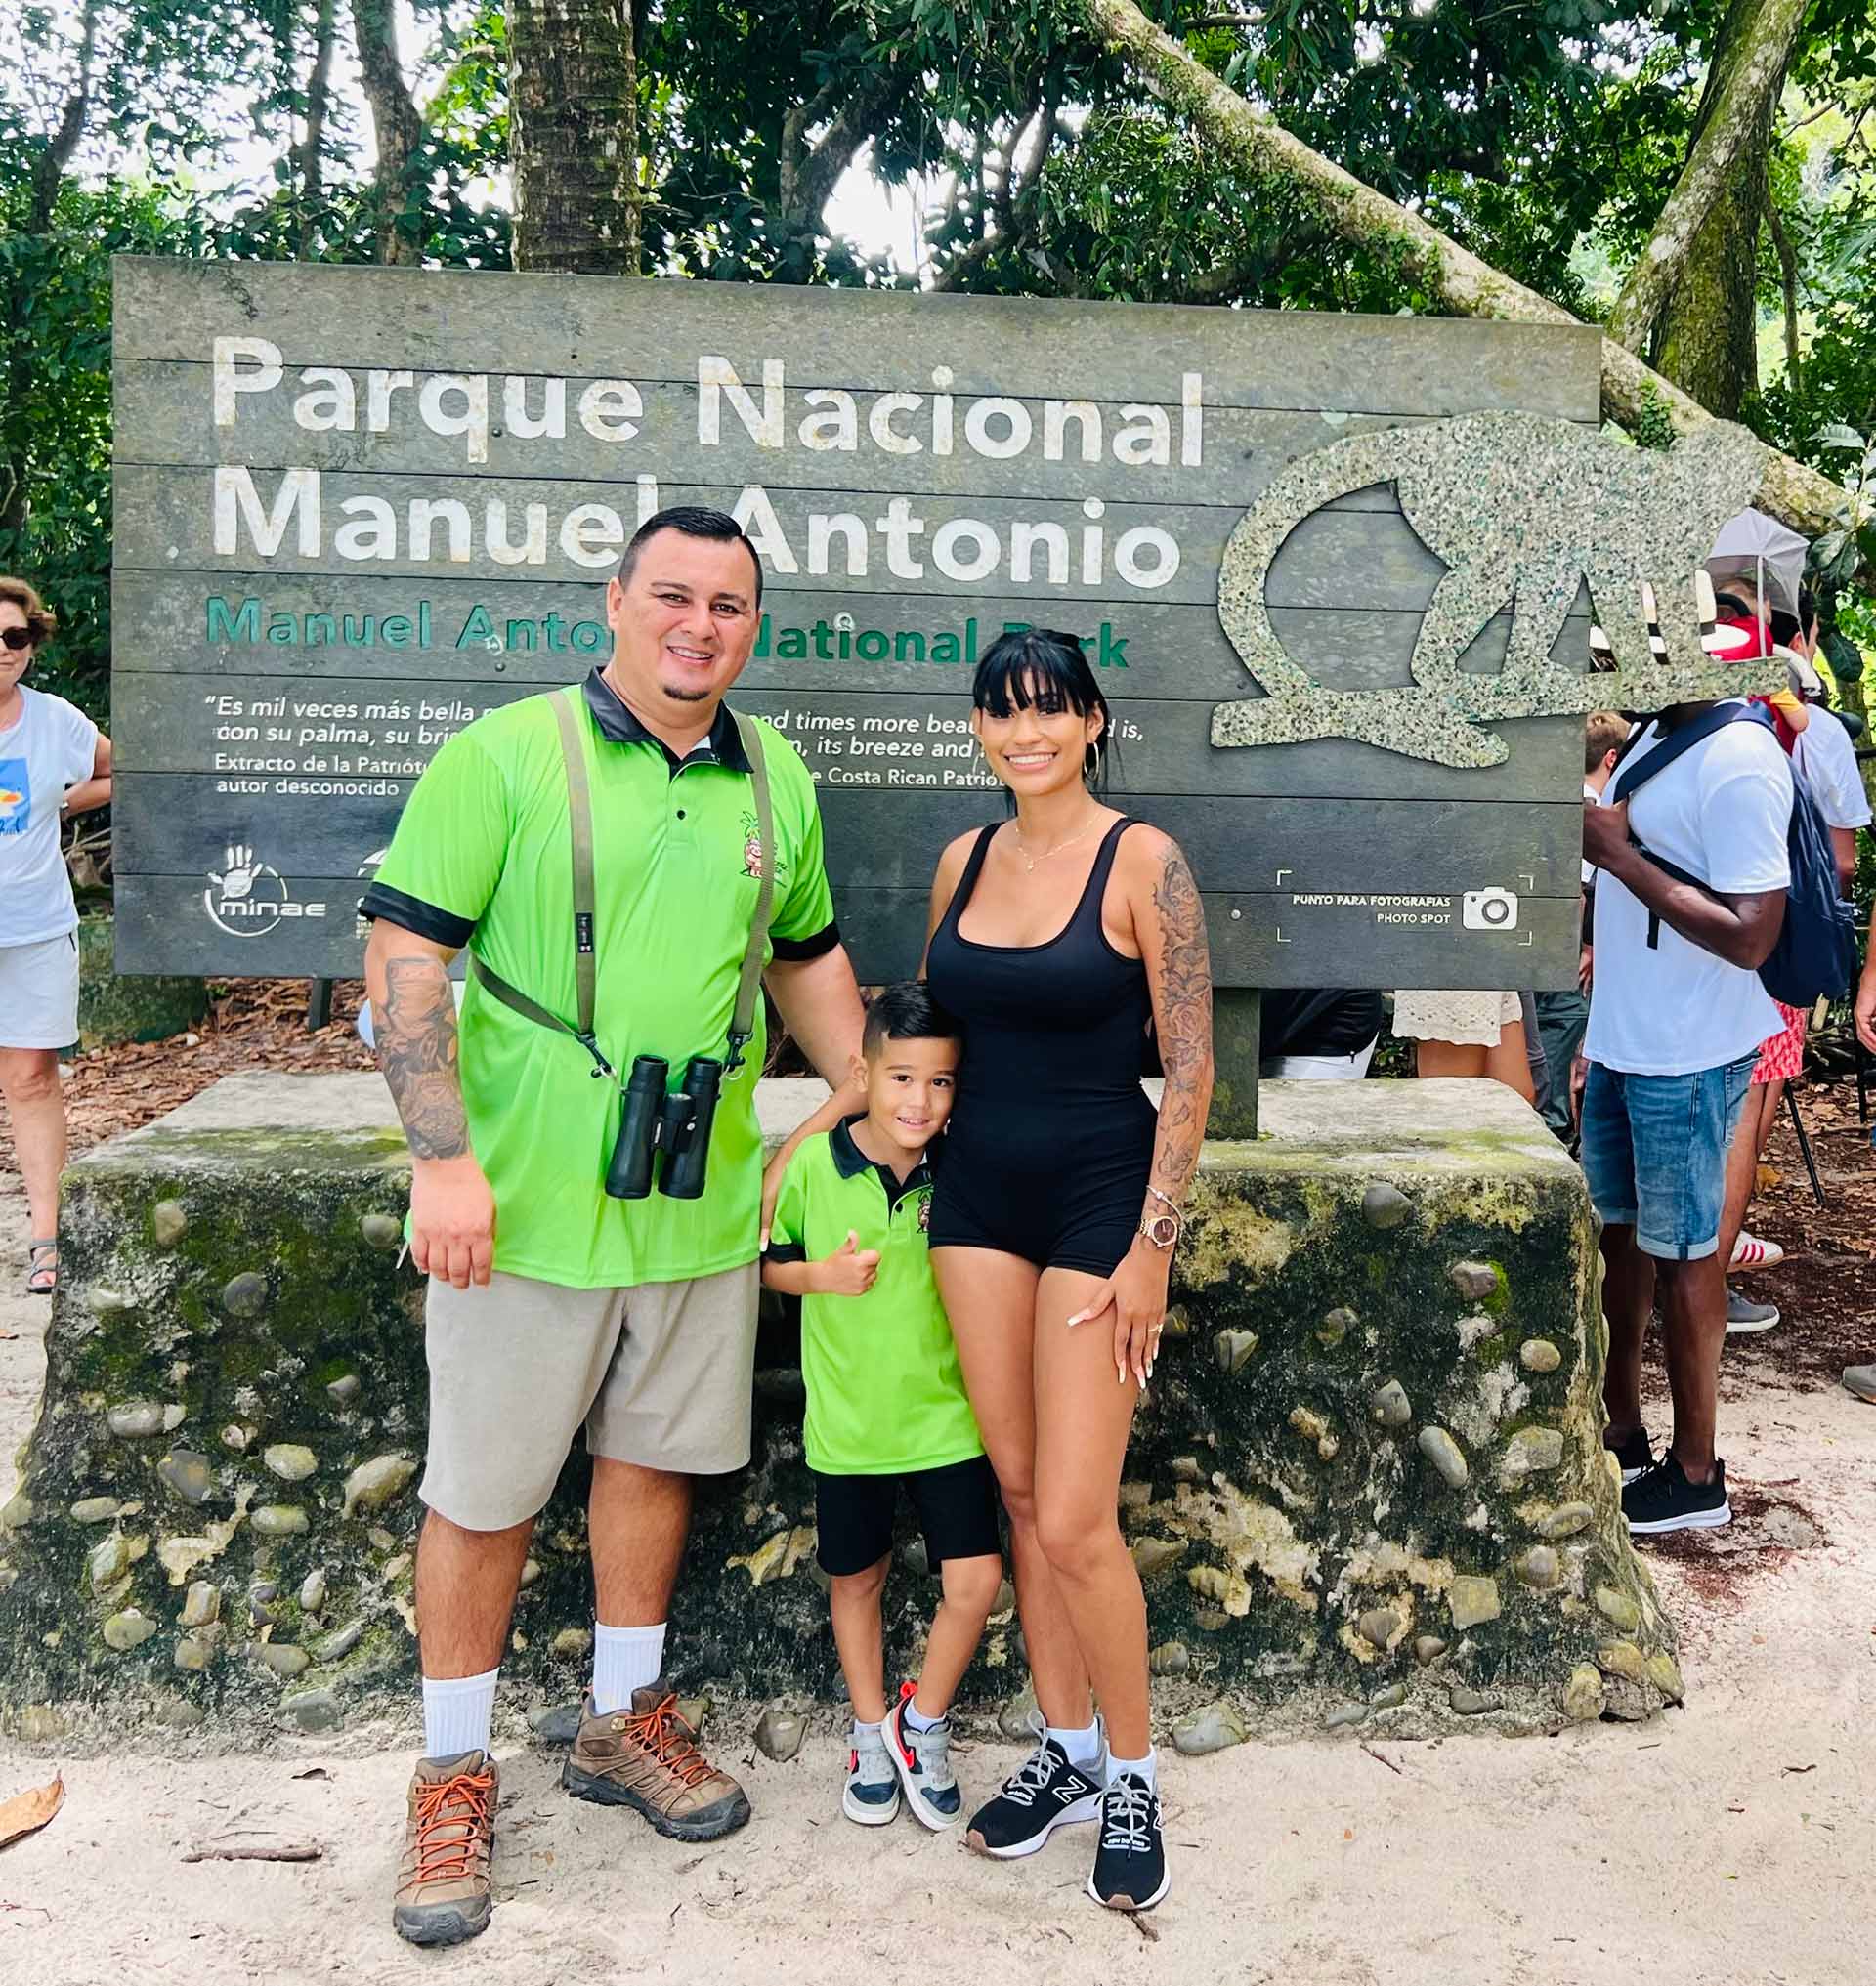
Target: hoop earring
1091,761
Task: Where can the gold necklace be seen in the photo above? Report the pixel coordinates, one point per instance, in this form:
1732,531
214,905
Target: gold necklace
1030,860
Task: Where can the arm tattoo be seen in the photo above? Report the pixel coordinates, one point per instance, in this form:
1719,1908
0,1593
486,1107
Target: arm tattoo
1183,1001
416,1035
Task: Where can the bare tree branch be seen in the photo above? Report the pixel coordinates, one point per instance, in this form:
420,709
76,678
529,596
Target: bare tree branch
810,174
1788,277
49,169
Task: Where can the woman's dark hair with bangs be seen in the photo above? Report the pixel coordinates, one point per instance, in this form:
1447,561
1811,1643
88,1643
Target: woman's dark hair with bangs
1048,669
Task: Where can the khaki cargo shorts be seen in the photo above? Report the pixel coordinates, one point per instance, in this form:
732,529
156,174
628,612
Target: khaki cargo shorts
661,1375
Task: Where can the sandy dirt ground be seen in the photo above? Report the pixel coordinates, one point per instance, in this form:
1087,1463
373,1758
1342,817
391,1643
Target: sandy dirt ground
1734,1841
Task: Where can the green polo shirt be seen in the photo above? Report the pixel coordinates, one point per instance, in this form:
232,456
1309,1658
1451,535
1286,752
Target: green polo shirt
885,1395
483,858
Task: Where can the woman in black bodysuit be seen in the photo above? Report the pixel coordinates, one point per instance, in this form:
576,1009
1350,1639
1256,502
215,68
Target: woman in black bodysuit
1056,937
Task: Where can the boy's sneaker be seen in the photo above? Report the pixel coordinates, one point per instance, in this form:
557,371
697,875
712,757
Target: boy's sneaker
647,1758
922,1762
1632,1453
1130,1865
871,1794
1043,1793
444,1892
1743,1314
1661,1499
1750,1252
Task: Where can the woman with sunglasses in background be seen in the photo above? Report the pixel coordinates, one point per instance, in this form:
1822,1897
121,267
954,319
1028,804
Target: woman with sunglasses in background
54,761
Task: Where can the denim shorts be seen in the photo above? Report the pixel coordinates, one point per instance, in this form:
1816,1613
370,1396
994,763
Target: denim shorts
1654,1151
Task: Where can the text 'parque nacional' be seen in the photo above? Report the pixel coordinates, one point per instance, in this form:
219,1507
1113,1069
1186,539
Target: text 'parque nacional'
260,513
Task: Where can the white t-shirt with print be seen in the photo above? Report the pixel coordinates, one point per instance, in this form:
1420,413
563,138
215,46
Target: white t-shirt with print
1721,812
51,746
1827,759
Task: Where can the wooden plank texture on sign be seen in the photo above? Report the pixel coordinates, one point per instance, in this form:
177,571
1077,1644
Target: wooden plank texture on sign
1256,940
892,837
388,726
579,326
280,679
503,632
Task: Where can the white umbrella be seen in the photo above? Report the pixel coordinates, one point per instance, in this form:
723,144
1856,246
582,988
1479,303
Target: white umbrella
1760,548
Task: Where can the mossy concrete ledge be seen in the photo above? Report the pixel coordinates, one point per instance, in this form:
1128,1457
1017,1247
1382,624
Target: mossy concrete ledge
1367,1490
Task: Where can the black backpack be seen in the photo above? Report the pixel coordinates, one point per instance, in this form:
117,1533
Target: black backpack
1816,949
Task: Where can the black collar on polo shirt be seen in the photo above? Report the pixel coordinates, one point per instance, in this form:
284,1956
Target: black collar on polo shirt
849,1161
619,726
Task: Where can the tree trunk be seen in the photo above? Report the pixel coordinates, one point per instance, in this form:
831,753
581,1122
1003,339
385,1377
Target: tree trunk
1464,285
318,91
396,122
1728,160
1707,336
572,110
1698,295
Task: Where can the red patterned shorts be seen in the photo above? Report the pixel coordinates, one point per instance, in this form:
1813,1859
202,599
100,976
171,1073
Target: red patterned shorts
1783,1056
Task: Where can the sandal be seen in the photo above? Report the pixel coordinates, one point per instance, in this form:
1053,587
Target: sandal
42,1275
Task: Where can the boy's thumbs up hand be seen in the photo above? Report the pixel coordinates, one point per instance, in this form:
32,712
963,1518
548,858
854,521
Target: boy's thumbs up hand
850,1271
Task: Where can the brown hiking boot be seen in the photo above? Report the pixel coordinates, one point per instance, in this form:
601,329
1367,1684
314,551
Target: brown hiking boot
646,1757
443,1894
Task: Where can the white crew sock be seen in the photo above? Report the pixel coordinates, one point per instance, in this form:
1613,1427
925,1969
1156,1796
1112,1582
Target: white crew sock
919,1721
625,1659
1147,1768
865,1730
458,1713
1084,1748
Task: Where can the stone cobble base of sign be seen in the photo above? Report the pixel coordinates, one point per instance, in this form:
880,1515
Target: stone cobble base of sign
1366,1491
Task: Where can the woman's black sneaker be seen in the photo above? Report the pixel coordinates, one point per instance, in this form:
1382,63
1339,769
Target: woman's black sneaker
1046,1793
1130,1865
1661,1499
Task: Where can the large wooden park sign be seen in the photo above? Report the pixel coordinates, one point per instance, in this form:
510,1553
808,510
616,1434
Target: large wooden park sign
355,508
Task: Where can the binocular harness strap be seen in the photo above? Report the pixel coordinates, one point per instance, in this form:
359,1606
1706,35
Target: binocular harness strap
580,807
749,987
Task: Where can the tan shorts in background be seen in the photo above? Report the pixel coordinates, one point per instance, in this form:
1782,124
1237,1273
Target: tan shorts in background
661,1375
1473,1020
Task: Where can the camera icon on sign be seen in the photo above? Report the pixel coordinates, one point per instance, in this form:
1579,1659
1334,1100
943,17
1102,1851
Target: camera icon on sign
1488,911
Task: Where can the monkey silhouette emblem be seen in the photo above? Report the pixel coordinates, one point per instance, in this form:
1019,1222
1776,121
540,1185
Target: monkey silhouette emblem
1522,511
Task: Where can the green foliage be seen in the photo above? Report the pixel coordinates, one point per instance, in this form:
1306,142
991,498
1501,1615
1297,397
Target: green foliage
1655,424
55,434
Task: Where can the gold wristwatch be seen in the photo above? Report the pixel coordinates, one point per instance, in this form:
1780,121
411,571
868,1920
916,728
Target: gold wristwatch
1163,1230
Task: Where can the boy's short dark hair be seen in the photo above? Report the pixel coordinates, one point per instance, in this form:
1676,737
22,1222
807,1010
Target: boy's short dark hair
907,1012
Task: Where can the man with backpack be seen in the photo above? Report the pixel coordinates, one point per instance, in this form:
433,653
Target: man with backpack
1690,839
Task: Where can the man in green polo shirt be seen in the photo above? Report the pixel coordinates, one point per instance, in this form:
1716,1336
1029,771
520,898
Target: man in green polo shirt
554,1304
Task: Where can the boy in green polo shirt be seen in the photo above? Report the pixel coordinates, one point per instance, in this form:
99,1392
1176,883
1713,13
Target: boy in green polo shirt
886,1401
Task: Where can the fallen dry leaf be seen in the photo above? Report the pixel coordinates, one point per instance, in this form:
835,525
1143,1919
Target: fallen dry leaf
25,1813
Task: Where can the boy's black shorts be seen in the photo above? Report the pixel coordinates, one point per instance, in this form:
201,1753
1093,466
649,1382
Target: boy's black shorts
956,1506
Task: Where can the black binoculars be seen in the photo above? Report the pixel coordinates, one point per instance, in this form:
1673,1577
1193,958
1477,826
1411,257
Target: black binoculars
676,1123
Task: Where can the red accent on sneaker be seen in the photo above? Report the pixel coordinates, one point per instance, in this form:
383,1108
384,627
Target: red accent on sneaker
896,1723
853,1761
